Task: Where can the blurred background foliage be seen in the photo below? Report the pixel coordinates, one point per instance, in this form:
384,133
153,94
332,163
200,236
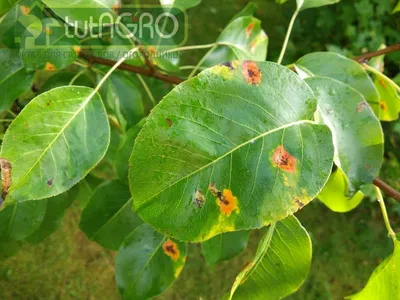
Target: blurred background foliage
346,247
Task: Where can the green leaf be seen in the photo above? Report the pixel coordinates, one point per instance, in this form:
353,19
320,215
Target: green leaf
244,39
18,220
384,282
397,8
148,263
14,78
304,4
51,49
55,141
125,150
334,193
389,99
243,126
249,10
280,265
85,189
183,4
357,133
79,12
108,218
224,246
123,98
63,78
55,210
7,5
338,67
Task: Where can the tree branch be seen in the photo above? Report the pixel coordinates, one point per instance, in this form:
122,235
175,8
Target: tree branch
391,192
364,57
139,70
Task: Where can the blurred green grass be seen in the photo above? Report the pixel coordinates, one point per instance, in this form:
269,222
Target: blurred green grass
346,249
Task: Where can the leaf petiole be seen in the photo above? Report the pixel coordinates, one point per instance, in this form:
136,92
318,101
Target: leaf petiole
391,232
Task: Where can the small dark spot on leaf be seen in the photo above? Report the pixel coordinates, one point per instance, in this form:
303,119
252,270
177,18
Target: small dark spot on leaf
229,65
48,103
199,198
298,202
50,182
169,122
383,105
35,88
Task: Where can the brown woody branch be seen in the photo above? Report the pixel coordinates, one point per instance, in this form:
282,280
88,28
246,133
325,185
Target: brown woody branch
134,69
387,189
364,57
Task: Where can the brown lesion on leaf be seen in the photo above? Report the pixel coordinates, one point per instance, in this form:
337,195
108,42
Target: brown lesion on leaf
199,199
298,202
383,105
6,179
169,122
226,201
249,29
229,65
367,166
251,72
25,10
50,182
362,105
283,160
50,67
116,6
171,249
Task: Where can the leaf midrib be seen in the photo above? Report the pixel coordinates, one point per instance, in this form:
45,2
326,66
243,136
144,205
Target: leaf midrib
226,154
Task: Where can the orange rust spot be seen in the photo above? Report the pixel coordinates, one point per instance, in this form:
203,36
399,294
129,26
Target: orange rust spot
283,160
249,29
151,50
25,10
383,83
77,49
50,67
383,105
169,122
48,31
115,7
225,200
171,249
251,72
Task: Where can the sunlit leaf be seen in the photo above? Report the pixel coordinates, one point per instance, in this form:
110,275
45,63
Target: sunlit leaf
304,4
55,141
389,99
334,193
244,39
14,78
358,136
280,265
224,246
397,8
384,282
148,263
229,150
340,68
183,4
108,218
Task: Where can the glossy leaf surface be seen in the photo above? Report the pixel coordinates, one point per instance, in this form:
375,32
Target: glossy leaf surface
304,4
229,150
358,136
108,218
148,263
55,141
224,246
336,66
280,265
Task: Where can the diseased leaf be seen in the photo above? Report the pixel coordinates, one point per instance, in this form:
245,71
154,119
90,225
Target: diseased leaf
384,282
224,246
357,133
280,265
338,67
244,39
333,195
389,99
14,78
148,263
229,150
108,217
55,141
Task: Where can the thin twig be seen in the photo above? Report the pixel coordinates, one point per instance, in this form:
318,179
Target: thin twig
391,192
139,70
364,57
389,228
